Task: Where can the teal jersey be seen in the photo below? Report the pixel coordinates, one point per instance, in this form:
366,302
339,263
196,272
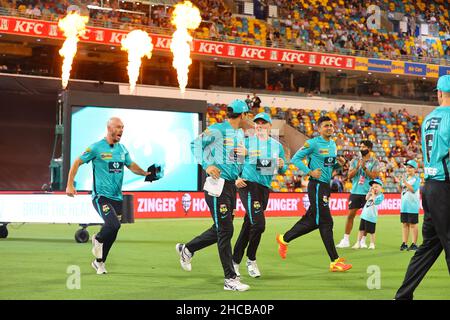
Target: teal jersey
436,144
360,182
321,154
216,146
370,210
261,161
108,168
411,200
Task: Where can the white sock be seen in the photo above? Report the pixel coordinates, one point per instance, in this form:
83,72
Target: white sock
346,237
363,240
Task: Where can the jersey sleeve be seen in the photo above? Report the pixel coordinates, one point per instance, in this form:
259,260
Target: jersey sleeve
416,184
301,154
89,154
353,164
375,166
202,147
379,199
128,160
282,156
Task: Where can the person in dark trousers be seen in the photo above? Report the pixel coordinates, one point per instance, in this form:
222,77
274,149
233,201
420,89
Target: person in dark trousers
322,161
265,158
108,158
220,149
436,193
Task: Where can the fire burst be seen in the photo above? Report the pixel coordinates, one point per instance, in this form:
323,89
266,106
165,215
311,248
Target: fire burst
138,44
74,26
185,17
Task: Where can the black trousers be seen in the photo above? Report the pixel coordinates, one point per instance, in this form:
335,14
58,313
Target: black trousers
111,212
255,198
318,216
435,233
221,232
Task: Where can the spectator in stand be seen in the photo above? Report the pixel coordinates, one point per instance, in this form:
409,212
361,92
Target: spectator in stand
256,101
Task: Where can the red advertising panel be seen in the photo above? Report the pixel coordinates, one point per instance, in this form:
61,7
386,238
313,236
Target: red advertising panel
192,204
112,37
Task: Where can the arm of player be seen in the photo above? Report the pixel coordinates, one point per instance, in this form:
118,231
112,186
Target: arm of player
354,167
70,188
379,199
301,154
201,148
137,170
412,187
281,162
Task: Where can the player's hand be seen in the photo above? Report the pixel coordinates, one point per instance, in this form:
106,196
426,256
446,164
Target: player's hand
240,183
280,163
360,162
316,174
241,151
341,161
70,191
213,171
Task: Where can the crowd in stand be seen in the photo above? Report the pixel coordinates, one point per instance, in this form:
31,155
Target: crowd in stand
317,25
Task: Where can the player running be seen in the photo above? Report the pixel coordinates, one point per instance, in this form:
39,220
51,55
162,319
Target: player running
265,157
108,158
322,155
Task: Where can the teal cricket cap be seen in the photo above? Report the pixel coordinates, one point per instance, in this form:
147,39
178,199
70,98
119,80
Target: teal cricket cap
444,84
412,163
377,181
239,106
264,116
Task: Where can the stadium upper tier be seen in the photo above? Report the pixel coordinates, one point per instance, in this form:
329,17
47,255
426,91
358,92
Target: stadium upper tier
312,25
395,136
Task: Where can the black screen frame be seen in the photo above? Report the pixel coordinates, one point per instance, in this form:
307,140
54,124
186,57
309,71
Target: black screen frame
76,99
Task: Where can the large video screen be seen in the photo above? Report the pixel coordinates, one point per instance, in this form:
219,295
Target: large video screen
150,137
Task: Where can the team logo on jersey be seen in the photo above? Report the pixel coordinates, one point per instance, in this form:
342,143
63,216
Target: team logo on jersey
256,205
228,142
106,155
223,208
115,167
325,201
305,146
87,151
122,156
105,208
329,161
433,124
324,151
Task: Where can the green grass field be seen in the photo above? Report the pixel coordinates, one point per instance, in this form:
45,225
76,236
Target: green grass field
143,264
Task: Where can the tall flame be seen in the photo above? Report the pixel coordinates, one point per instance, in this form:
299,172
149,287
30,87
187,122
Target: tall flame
185,17
73,26
138,44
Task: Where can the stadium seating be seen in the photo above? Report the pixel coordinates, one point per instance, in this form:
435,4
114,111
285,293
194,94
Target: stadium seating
318,25
393,134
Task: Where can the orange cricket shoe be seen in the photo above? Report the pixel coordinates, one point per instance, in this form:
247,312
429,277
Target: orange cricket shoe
282,246
339,265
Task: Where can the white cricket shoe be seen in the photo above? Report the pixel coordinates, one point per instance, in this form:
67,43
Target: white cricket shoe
372,246
185,256
363,245
236,269
343,244
357,245
252,269
97,248
235,285
99,267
